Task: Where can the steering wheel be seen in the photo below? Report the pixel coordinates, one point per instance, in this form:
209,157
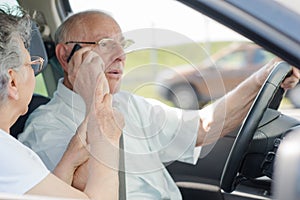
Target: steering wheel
250,124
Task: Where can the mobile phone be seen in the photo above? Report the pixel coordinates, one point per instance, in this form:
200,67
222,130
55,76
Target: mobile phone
75,48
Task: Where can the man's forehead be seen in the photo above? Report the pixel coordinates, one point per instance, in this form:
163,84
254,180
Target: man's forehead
99,20
100,27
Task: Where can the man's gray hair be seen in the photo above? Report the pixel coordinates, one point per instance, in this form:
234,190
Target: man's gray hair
15,24
64,31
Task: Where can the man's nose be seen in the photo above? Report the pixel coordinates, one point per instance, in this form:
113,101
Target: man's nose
118,53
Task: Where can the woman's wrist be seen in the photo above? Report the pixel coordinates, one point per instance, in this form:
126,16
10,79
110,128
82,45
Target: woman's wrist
65,170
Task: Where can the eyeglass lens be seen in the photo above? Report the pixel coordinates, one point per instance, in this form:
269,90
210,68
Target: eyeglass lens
36,64
107,44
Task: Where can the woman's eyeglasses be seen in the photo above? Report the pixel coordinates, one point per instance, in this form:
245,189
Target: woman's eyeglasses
36,64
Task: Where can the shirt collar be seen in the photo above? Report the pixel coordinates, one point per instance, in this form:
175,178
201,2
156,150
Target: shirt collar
70,97
75,100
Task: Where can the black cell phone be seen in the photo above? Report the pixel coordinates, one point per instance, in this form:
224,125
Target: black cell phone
75,48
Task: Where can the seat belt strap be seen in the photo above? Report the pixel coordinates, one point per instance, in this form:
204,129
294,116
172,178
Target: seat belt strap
122,181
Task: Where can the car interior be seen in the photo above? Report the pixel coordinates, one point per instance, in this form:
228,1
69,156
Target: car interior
241,164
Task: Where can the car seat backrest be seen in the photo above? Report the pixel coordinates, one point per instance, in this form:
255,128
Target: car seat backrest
36,101
37,47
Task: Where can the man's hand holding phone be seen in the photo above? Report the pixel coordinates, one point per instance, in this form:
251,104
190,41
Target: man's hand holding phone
75,48
84,67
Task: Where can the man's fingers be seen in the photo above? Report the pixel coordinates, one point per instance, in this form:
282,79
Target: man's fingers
89,56
99,93
82,129
78,57
75,63
107,100
105,85
296,72
102,87
119,118
292,80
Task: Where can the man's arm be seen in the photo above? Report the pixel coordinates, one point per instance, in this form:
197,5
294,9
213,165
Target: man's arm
223,116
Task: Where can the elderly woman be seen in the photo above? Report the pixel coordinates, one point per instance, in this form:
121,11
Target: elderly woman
21,170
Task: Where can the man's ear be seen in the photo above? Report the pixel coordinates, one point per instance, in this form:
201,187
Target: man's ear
12,86
61,54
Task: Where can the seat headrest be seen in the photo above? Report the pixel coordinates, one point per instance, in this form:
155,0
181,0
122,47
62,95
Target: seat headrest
37,47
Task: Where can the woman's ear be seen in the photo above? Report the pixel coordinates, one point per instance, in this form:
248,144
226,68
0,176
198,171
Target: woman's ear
12,86
61,54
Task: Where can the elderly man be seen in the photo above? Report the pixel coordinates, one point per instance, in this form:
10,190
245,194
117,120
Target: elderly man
154,133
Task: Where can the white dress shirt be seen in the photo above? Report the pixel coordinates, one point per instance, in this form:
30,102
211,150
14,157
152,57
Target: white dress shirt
154,134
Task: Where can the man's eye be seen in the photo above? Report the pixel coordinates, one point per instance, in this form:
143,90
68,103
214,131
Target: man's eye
103,44
123,43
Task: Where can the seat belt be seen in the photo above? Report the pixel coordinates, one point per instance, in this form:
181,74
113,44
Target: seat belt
122,181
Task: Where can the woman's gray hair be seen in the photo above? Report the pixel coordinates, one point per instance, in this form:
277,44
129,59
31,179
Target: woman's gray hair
15,24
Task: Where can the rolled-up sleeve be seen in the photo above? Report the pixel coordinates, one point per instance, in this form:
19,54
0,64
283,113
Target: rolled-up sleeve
171,132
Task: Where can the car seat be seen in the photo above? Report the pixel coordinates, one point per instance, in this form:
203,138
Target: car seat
36,48
35,102
287,164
